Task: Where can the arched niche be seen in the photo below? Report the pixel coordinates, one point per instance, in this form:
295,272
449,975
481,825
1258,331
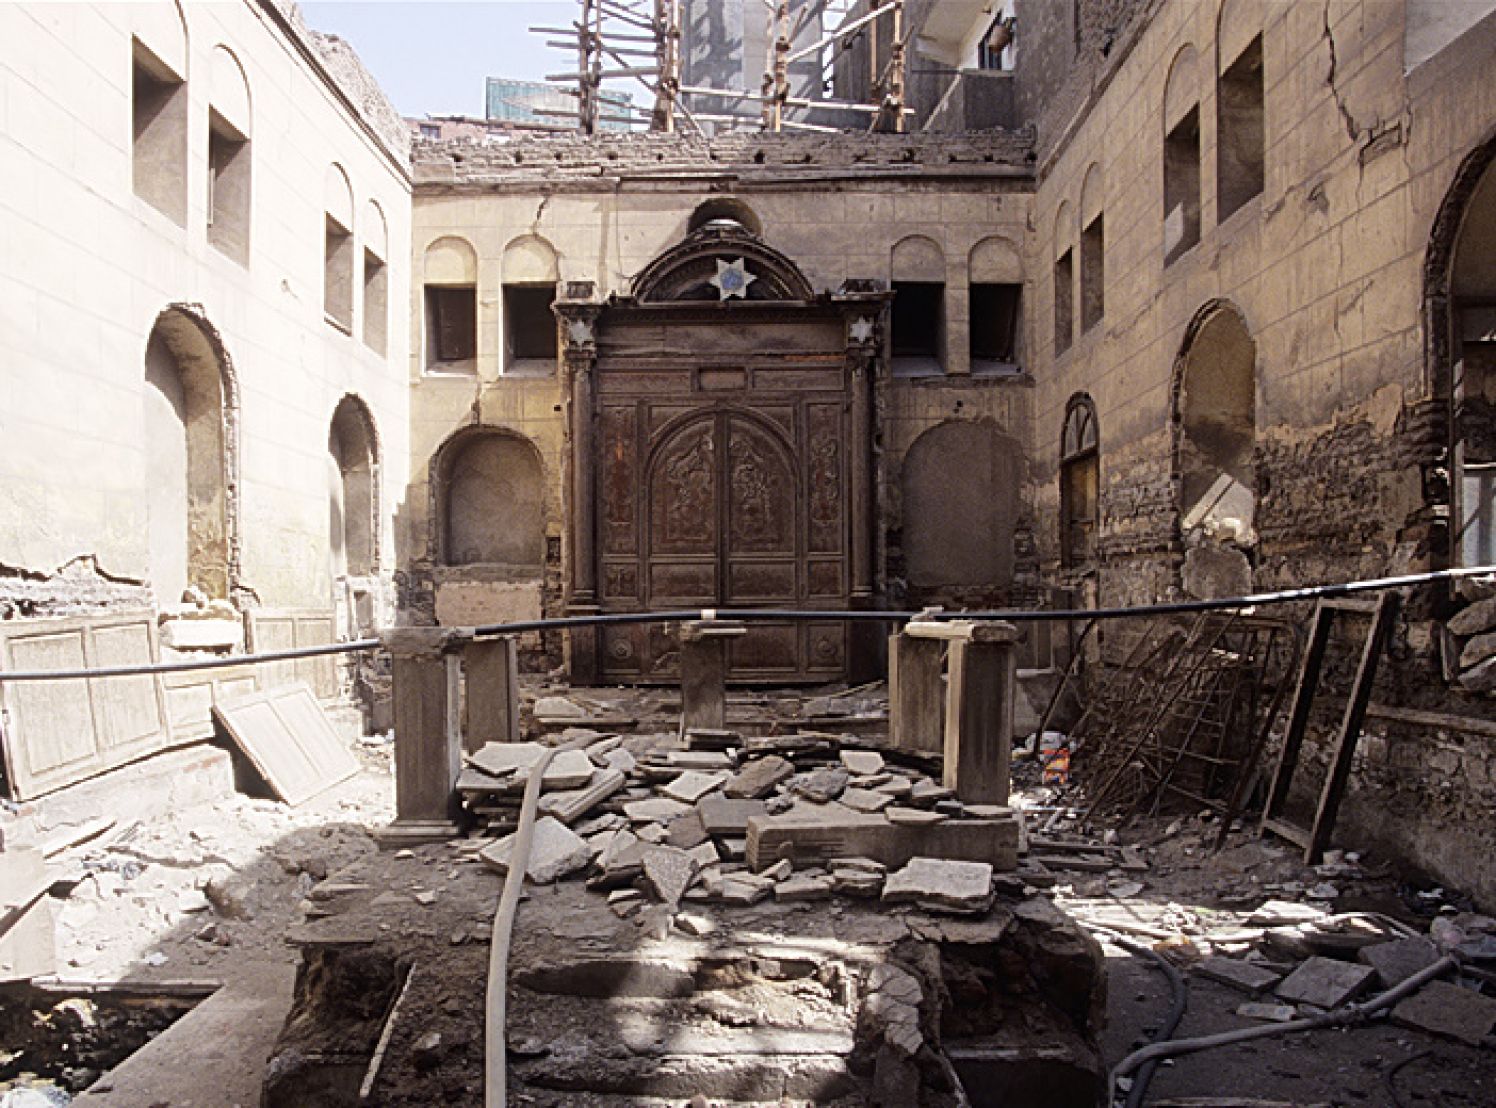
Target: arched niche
530,260
1216,426
995,260
162,29
450,260
229,91
728,208
1460,291
917,258
489,501
190,423
1182,89
376,230
959,533
353,490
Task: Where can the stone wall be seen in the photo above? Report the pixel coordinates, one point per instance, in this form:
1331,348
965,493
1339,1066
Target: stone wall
91,266
1326,267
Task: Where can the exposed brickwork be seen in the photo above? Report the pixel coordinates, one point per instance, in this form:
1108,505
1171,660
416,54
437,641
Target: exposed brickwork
549,158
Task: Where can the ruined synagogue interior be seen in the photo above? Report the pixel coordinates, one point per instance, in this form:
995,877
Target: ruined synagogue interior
831,552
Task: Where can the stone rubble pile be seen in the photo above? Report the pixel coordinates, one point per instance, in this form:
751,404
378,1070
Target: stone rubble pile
737,821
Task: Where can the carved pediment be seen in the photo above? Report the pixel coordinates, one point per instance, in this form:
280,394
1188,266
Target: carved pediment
721,261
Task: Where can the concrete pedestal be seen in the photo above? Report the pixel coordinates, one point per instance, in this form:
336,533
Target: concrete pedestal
703,672
428,740
491,679
916,694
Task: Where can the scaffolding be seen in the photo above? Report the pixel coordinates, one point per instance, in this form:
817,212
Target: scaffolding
641,41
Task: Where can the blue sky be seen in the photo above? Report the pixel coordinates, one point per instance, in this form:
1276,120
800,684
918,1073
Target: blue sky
431,57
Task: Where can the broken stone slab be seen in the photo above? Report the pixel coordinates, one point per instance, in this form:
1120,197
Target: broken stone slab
503,759
856,882
704,760
1480,679
1444,1009
1478,617
865,800
862,762
1272,1013
558,707
890,1011
926,792
1284,913
721,815
803,887
705,854
686,832
1325,982
619,759
810,836
745,889
821,785
938,883
694,925
914,817
1478,649
655,810
669,872
555,852
758,778
897,787
711,738
691,786
570,806
1246,976
1399,960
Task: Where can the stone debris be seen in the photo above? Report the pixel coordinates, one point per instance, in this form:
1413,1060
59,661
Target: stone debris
1399,960
1246,976
862,762
1272,1013
865,800
668,871
657,810
758,778
1448,1010
571,805
821,786
691,786
558,707
804,887
722,816
1325,983
555,852
940,884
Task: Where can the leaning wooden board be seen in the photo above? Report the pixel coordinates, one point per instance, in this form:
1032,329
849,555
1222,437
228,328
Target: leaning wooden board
287,737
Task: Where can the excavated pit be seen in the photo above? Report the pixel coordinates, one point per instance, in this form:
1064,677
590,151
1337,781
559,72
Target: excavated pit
66,1039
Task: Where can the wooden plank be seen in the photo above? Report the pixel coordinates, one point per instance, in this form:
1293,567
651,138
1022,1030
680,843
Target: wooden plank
1339,773
1298,717
286,736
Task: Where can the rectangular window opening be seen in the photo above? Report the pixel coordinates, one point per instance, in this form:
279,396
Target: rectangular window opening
1182,186
452,328
1064,302
529,329
337,276
376,302
1078,493
158,105
1240,162
1093,273
994,327
228,189
918,309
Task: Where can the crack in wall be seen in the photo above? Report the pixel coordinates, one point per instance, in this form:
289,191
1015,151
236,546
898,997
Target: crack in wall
1352,129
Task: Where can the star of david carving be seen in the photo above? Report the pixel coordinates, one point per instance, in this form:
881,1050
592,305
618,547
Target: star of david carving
732,279
861,330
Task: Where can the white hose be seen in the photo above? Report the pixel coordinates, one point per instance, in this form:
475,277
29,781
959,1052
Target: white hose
495,1041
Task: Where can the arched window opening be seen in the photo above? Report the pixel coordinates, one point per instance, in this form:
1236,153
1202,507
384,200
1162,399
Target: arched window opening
1473,298
725,208
337,255
491,503
352,531
450,281
531,270
1181,157
1080,482
1217,406
187,493
918,315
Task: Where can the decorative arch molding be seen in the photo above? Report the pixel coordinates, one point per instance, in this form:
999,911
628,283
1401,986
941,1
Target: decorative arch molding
194,341
440,479
725,207
531,259
1438,268
359,410
684,272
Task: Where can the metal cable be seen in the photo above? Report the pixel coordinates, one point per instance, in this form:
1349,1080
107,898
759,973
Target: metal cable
777,615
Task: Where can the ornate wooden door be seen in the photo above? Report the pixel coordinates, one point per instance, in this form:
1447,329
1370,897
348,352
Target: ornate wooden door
737,507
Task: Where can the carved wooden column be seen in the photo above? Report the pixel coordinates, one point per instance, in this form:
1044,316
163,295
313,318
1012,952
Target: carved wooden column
578,313
864,310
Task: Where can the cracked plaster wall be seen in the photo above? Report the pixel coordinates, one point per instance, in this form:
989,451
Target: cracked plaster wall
1326,269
